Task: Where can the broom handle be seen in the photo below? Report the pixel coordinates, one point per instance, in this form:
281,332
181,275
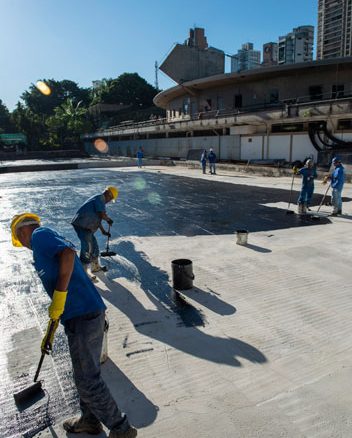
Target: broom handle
321,203
51,328
39,367
289,202
107,242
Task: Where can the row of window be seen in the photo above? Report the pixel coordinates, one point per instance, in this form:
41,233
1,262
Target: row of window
316,92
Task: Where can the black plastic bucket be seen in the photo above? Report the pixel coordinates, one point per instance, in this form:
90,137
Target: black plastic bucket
182,274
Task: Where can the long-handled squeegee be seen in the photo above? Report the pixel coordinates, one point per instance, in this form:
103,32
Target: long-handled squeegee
107,252
34,390
288,211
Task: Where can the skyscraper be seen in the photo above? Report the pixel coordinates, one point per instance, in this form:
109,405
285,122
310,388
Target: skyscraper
334,29
246,58
269,54
296,46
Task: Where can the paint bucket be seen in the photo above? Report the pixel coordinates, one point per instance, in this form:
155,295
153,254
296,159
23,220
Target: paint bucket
104,351
182,274
242,237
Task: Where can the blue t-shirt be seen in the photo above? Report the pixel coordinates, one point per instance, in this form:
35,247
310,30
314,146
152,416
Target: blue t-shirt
87,216
338,177
212,157
82,296
140,154
308,174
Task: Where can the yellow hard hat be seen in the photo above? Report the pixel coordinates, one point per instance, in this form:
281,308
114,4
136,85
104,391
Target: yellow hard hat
114,191
21,220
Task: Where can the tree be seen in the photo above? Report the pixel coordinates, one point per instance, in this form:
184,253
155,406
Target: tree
5,119
60,92
67,123
29,123
128,89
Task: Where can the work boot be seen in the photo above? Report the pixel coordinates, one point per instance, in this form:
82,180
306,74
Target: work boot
92,277
96,267
131,432
300,209
80,425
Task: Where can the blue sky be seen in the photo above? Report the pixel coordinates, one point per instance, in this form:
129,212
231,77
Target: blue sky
84,40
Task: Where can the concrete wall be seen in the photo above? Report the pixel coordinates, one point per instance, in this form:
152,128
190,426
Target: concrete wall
251,147
226,147
185,63
278,147
302,147
290,147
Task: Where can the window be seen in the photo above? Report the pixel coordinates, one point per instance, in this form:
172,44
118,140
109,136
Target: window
274,96
287,127
237,101
337,91
344,124
316,92
207,106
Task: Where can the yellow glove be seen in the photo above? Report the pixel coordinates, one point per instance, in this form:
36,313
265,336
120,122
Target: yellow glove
57,306
326,179
295,170
47,342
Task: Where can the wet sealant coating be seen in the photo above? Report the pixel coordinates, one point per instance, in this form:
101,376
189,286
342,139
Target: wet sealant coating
148,205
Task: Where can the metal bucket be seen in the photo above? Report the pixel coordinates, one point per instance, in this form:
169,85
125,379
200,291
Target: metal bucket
104,351
242,237
182,274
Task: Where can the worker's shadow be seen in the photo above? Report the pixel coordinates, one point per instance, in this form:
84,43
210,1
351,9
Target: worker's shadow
133,265
141,411
166,324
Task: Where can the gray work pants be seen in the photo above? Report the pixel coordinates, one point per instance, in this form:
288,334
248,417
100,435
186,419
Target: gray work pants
85,338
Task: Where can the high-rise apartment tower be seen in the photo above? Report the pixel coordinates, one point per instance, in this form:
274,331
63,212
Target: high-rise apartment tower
334,29
246,58
296,46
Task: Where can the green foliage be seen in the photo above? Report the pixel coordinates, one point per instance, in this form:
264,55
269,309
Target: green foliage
59,119
67,123
127,89
60,92
6,125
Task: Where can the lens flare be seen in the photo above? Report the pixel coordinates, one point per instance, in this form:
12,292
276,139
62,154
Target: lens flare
140,183
154,198
43,88
101,145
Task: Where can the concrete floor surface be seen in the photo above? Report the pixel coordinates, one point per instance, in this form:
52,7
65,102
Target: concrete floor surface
259,347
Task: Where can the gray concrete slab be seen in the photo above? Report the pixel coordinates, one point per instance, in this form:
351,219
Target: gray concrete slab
261,345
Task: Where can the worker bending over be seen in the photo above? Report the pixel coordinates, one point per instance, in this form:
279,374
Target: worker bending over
79,307
86,222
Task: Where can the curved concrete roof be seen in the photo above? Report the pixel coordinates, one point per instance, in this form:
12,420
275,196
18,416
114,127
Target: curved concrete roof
191,87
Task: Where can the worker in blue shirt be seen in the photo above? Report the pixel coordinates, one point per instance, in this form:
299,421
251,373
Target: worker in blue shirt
212,161
308,173
140,156
79,307
87,221
203,160
337,179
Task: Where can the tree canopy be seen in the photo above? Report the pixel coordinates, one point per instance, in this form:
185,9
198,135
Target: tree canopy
60,92
5,119
58,119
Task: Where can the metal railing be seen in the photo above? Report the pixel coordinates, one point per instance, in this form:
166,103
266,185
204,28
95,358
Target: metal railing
223,113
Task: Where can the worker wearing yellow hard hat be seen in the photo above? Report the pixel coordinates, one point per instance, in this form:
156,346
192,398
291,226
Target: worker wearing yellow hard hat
76,303
87,220
19,232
